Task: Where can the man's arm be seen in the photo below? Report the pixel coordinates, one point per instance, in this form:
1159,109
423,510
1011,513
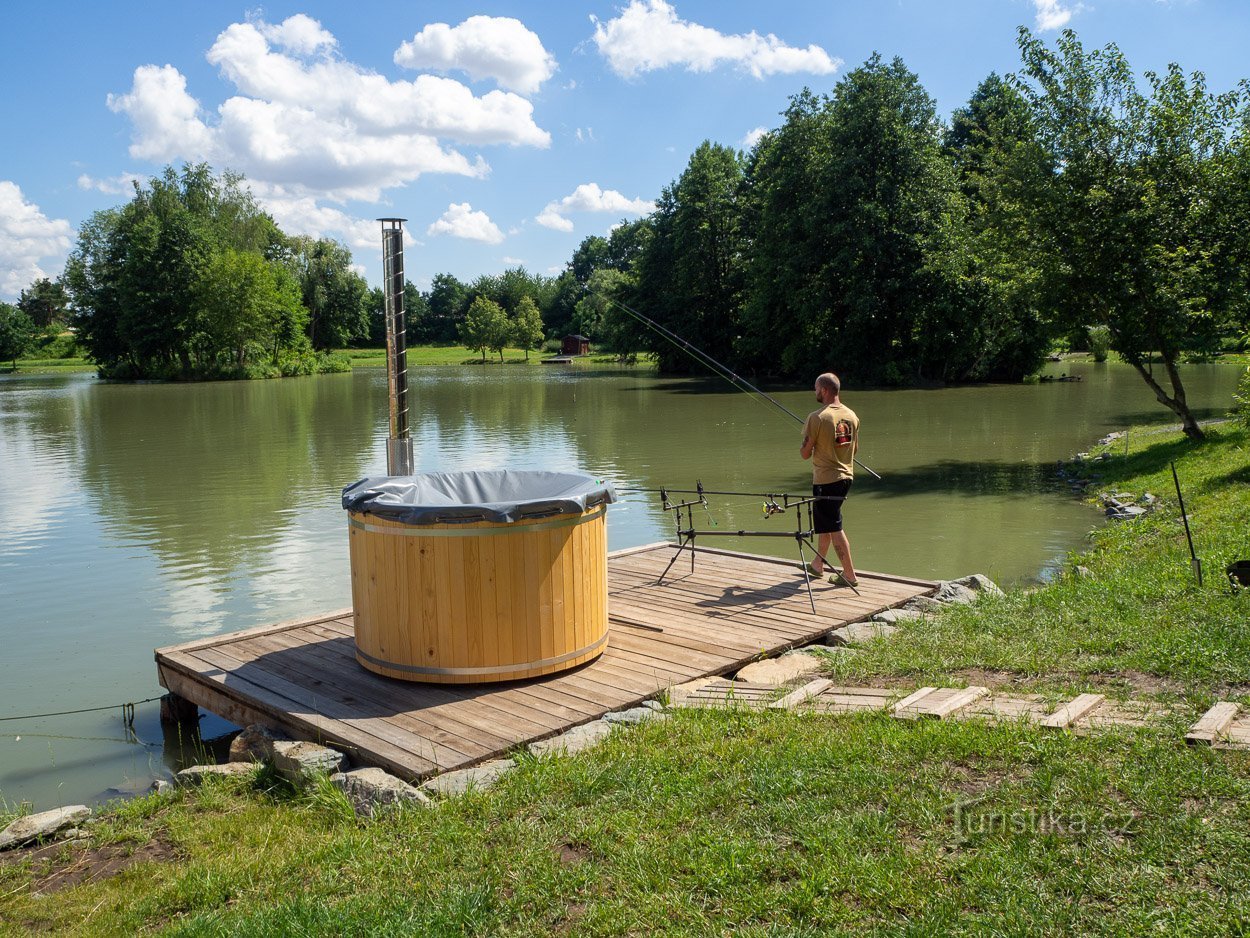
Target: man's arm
806,449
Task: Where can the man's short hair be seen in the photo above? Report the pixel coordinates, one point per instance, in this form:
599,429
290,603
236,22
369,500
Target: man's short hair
830,380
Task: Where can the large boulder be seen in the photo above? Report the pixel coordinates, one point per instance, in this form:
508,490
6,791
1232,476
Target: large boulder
634,715
254,744
41,826
954,594
297,761
979,583
478,777
196,774
857,633
777,671
574,740
373,790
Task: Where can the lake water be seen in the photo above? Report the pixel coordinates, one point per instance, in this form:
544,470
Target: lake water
137,516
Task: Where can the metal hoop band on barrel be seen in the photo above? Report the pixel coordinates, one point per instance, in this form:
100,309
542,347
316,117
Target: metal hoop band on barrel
524,666
421,531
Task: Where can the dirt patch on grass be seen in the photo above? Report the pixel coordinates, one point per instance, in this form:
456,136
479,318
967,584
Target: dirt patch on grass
568,854
60,866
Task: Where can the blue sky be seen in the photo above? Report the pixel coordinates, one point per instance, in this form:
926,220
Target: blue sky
504,132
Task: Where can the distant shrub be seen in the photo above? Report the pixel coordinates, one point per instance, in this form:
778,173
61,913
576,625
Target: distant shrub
1099,342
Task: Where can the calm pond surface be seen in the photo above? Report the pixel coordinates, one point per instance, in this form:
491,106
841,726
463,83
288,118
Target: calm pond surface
136,516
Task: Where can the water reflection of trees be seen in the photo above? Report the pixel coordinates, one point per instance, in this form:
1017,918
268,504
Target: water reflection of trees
210,476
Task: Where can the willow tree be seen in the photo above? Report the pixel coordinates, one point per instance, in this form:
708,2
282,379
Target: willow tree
1133,216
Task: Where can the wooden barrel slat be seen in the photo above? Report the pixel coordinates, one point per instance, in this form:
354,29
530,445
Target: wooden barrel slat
498,599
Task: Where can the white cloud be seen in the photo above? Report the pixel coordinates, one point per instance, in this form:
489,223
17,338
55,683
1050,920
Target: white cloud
315,125
298,213
166,118
300,34
752,137
514,261
648,35
497,47
122,184
460,221
588,197
1053,14
27,237
549,218
585,136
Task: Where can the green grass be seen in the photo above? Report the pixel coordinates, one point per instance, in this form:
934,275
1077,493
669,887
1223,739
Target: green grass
459,355
1140,625
761,824
49,366
777,823
439,355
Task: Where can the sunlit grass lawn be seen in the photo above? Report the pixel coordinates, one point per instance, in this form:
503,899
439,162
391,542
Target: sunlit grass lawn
438,355
1139,623
756,824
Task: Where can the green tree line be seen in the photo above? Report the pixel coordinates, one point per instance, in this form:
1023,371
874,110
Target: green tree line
866,235
191,279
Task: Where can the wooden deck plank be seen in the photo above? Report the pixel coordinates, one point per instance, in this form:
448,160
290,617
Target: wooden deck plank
302,675
328,705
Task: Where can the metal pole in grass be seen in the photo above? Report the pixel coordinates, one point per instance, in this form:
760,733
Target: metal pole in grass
1194,563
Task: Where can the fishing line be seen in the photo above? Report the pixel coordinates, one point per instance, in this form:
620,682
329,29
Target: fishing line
702,357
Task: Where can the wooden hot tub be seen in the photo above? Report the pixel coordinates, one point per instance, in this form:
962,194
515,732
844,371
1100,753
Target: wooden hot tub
483,576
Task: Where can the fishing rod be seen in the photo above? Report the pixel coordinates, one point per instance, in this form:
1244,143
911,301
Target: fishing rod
704,358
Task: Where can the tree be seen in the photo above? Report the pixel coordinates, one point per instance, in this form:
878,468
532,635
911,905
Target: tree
335,295
45,302
485,327
448,302
16,333
856,219
599,316
991,141
1132,213
691,268
527,326
250,306
179,281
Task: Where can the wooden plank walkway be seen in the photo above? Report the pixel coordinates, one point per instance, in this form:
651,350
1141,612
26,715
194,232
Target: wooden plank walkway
302,676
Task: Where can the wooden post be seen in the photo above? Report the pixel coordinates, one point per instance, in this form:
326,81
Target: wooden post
175,709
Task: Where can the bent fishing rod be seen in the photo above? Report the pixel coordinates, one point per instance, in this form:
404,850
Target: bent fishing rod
704,358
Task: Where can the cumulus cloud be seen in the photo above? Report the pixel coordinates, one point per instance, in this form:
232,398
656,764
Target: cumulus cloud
27,238
121,184
752,137
648,35
588,197
306,120
300,33
1053,14
460,221
497,47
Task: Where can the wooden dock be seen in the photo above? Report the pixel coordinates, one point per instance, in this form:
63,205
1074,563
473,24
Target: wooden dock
302,677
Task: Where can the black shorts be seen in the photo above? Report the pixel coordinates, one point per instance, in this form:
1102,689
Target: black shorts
827,512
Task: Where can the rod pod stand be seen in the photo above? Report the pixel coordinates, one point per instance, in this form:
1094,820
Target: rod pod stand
802,505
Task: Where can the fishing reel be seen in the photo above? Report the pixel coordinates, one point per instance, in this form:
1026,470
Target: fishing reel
772,508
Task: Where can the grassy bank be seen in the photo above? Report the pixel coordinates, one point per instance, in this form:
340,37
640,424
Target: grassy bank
459,355
777,823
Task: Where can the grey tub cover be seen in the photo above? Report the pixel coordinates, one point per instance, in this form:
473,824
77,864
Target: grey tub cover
499,495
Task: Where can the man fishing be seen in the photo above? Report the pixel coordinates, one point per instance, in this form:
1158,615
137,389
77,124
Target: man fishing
830,441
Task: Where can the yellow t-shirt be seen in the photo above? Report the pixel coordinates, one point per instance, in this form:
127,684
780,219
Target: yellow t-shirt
834,434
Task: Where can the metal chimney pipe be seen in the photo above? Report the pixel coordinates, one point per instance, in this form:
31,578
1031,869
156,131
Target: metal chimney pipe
399,461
